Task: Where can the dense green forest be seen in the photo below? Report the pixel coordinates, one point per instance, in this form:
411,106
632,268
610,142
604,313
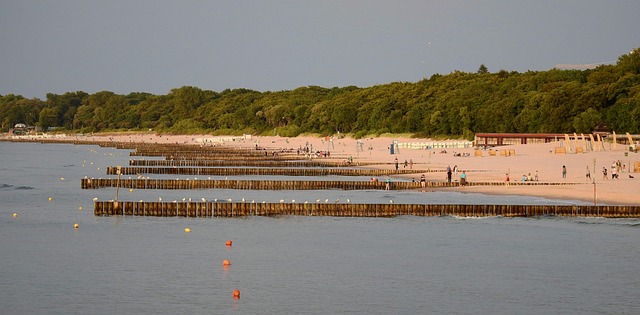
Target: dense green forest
457,104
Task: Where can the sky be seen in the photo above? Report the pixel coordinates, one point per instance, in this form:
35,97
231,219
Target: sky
155,46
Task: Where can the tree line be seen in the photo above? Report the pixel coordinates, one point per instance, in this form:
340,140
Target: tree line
459,104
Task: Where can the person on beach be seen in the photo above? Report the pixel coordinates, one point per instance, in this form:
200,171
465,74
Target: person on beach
387,183
423,181
588,175
396,162
564,171
410,164
536,176
604,173
406,163
506,180
449,174
463,178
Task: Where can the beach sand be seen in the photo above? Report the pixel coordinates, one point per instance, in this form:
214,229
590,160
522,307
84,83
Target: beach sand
527,160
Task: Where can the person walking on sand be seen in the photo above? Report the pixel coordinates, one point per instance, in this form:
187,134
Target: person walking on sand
423,181
387,183
604,173
463,178
564,171
396,162
588,175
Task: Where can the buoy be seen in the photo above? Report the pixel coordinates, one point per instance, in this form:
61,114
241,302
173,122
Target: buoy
76,226
61,178
236,294
226,262
130,189
15,215
50,198
187,230
80,208
229,243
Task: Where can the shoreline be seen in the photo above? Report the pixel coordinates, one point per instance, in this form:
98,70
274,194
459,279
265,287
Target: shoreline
527,160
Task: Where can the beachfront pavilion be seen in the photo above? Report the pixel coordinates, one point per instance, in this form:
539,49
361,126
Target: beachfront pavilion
487,140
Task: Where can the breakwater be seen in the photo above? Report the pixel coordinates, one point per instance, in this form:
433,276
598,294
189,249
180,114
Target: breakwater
148,183
243,162
240,209
230,171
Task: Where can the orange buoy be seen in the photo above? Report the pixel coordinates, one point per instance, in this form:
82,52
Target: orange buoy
229,242
226,262
236,294
76,226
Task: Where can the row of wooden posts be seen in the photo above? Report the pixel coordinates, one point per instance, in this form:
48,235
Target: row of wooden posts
234,157
229,171
232,209
206,154
242,162
159,149
148,183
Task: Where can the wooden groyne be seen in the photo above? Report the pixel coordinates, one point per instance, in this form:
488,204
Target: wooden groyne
185,184
199,154
242,162
234,209
131,170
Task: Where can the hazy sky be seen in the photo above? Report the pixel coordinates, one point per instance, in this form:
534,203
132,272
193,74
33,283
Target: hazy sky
154,46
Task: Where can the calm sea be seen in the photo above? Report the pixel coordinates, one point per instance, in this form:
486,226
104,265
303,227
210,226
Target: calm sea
293,264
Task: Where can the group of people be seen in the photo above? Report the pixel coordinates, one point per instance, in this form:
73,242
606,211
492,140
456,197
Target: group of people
525,178
616,168
529,178
405,164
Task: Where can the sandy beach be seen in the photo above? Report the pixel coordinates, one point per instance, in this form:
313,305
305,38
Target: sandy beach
528,159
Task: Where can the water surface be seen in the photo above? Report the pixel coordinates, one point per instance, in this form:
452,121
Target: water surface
293,264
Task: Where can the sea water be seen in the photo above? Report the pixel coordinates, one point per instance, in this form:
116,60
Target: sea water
293,264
